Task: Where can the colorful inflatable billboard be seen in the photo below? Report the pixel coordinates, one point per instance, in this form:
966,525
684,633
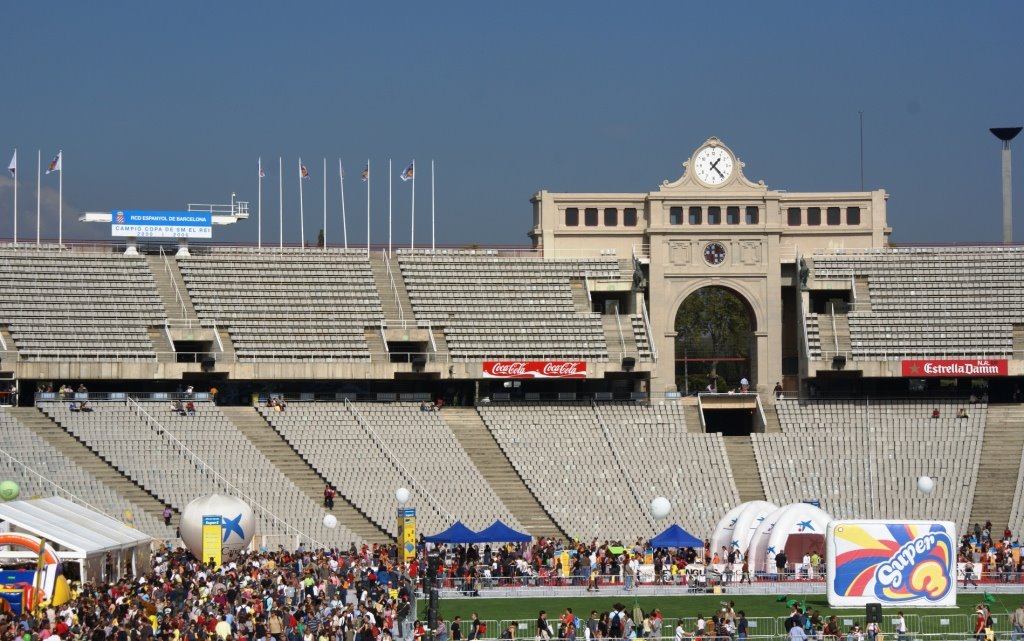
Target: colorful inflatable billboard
895,563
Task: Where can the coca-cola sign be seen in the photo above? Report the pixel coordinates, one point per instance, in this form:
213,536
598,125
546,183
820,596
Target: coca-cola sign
535,369
955,368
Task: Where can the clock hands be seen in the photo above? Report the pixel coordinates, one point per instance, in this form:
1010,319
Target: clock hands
714,166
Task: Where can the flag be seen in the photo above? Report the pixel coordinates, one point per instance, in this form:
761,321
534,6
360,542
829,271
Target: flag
262,175
13,167
366,174
303,172
408,173
55,164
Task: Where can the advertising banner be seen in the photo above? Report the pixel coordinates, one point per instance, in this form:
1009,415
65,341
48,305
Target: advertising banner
535,369
407,533
212,541
162,224
895,563
954,368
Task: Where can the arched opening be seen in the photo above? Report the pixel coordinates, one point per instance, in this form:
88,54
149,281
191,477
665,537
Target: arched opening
715,343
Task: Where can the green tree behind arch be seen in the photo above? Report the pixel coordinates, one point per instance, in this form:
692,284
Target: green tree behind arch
713,322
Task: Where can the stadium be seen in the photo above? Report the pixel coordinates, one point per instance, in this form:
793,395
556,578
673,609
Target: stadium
714,341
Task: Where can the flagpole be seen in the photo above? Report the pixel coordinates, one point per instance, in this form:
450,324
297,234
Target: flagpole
280,203
39,200
432,246
368,178
60,203
15,177
412,234
259,208
344,222
325,203
302,212
389,206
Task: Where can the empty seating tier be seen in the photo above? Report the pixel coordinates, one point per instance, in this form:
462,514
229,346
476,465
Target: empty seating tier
507,307
70,305
34,452
369,450
595,468
862,459
294,304
941,302
124,436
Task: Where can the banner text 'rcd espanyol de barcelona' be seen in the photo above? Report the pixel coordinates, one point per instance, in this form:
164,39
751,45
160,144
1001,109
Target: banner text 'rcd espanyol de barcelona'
535,369
895,563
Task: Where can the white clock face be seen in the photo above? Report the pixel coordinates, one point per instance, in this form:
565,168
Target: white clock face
713,165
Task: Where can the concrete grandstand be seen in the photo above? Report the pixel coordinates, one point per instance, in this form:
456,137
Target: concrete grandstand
545,386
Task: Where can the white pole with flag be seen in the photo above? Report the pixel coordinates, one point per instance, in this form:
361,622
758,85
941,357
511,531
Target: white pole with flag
344,222
325,204
302,213
432,245
389,206
366,179
13,168
259,208
39,200
412,234
280,203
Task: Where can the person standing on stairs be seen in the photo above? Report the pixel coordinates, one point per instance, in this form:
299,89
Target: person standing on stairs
329,495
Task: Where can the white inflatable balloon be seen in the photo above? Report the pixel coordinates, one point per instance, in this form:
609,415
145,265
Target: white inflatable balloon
926,484
660,507
330,521
402,495
237,521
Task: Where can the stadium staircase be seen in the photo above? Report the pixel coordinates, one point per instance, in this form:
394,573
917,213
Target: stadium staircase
394,304
692,414
837,340
71,448
579,297
618,333
771,418
999,466
167,276
483,450
743,464
1018,339
862,293
287,460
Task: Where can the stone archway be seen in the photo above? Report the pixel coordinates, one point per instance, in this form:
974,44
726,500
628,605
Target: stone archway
716,340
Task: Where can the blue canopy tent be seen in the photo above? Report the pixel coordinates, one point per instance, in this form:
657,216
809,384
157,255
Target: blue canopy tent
676,537
498,532
457,533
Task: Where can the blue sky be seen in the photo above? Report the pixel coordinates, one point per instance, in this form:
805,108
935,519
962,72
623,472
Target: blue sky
158,105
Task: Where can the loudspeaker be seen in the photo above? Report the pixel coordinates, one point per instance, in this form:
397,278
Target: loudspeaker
628,362
873,612
838,361
432,608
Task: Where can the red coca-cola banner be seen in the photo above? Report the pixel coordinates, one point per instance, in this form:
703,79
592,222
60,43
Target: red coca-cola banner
535,369
951,368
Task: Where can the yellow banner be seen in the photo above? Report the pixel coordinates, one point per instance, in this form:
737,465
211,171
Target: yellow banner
212,541
566,566
407,533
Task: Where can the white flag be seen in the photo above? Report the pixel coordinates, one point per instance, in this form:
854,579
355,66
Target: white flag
13,167
55,164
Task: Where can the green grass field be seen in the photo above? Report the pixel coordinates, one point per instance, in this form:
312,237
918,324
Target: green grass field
688,606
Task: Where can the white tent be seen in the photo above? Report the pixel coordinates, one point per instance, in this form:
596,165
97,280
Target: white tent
104,548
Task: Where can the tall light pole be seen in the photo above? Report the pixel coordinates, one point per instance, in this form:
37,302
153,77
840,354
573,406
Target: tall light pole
1006,134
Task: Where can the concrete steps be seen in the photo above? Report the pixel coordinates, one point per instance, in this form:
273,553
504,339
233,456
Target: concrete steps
771,417
375,343
73,449
1018,339
228,354
743,464
692,415
1000,464
624,342
863,294
579,297
168,276
285,458
394,301
487,456
164,349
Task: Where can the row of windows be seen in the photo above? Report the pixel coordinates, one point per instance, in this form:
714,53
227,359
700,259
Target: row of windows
590,218
833,216
695,215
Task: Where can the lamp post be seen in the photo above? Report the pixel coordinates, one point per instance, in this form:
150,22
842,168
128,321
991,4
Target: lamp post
1006,134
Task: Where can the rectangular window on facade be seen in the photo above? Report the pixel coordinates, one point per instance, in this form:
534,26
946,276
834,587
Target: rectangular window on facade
714,215
629,217
611,217
752,215
675,216
695,215
834,216
853,215
590,216
732,216
572,217
793,216
814,215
